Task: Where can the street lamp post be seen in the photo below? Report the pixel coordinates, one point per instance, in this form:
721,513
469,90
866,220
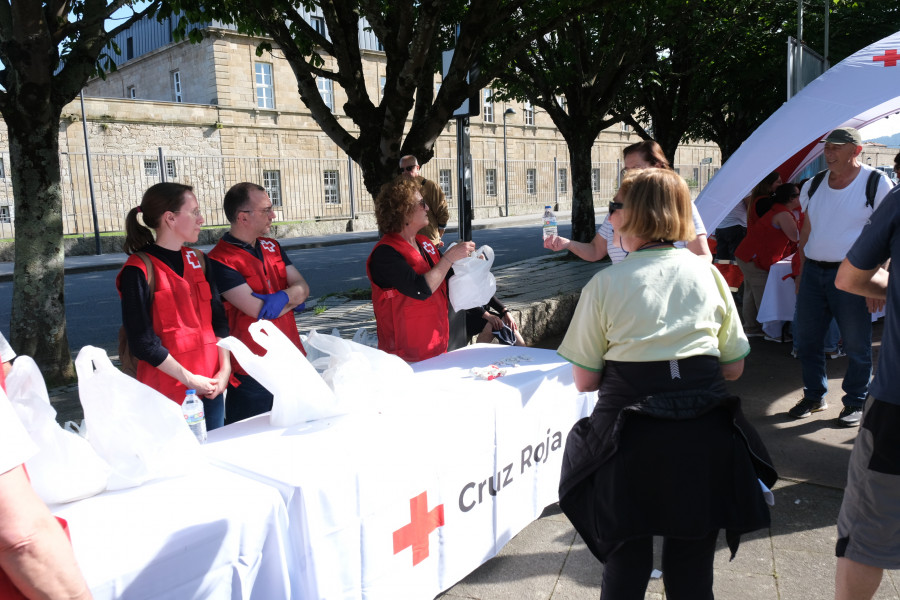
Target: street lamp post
508,111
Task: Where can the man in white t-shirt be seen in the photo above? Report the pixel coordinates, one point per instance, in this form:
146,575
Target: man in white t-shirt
34,552
836,212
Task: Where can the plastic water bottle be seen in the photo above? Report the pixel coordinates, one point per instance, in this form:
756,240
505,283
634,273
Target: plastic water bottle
549,222
192,408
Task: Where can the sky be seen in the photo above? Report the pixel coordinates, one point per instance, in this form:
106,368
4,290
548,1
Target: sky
887,126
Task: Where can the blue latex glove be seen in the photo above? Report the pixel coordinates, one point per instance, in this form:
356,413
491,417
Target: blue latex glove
273,304
300,307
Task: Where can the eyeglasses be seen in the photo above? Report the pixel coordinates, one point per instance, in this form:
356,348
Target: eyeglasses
408,169
614,206
421,203
196,213
262,211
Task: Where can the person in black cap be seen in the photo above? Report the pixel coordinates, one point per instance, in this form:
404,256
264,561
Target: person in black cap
838,203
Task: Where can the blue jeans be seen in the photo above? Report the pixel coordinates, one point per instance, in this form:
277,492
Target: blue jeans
214,411
817,302
246,400
832,339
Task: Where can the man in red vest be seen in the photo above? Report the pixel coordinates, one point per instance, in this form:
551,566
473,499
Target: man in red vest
257,281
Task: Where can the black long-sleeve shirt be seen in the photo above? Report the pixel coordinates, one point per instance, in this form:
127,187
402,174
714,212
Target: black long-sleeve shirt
137,301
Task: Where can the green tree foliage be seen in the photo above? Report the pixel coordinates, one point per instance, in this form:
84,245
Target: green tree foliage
586,62
484,34
48,50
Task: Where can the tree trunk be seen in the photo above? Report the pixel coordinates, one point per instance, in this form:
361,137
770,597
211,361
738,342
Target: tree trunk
38,327
583,223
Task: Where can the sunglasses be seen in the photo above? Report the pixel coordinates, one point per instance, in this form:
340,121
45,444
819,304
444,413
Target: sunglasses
614,206
407,169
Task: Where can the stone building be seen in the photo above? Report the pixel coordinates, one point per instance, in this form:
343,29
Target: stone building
214,113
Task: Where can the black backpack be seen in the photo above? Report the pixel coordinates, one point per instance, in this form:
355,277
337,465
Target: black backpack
871,186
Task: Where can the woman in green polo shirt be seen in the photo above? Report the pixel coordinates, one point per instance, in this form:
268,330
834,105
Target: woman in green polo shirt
667,451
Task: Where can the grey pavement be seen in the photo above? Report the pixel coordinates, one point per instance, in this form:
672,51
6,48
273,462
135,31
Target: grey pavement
793,559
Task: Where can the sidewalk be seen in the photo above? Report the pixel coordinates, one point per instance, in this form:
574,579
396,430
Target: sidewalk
793,560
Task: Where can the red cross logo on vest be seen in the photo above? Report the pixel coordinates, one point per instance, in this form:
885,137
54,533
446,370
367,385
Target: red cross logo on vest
192,259
267,245
428,247
422,523
889,58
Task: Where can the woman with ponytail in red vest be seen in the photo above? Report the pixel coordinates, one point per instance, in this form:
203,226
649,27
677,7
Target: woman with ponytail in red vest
173,327
408,276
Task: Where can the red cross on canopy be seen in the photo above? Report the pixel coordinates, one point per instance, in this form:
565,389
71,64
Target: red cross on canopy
422,522
889,58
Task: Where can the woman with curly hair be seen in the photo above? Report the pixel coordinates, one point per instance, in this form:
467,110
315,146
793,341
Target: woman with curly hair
408,276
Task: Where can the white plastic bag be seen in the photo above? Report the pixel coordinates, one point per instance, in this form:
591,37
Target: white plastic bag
299,392
359,374
66,468
138,431
472,283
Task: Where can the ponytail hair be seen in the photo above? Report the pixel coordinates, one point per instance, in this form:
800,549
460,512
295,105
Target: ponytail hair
157,201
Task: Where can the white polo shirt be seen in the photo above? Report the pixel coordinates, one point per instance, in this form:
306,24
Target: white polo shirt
838,216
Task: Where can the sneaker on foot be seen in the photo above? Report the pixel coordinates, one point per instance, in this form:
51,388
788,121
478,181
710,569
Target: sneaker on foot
837,353
850,416
806,407
754,333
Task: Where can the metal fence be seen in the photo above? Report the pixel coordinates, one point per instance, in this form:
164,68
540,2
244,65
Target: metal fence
303,189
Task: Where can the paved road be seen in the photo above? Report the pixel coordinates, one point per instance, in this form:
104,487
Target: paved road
93,312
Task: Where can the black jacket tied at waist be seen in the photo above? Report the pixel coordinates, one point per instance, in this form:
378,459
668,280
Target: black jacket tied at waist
667,451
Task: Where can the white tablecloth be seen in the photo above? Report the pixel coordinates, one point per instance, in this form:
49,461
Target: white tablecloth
405,502
779,299
209,535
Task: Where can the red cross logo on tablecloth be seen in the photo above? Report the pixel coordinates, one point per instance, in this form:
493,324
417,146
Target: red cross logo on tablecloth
422,523
890,58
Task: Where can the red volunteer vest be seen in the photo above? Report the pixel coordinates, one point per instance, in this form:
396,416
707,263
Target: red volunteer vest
182,318
765,245
412,329
264,277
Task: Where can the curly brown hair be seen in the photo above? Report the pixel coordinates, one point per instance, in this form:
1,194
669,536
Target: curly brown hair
395,202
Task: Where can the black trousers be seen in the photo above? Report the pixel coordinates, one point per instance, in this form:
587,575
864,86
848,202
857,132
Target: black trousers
687,567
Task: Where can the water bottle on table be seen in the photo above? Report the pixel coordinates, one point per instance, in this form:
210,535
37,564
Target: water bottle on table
549,222
192,408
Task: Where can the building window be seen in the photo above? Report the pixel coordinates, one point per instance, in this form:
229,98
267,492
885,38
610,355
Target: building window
326,90
151,168
490,182
488,106
176,85
318,23
626,128
531,181
562,182
595,180
5,216
265,92
528,109
444,182
129,48
130,93
381,81
2,169
272,183
171,171
332,192
561,101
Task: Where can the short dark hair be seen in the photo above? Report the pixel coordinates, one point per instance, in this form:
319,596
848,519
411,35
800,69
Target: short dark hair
237,197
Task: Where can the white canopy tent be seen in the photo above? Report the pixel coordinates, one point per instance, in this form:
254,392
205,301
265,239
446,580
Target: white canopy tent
859,90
